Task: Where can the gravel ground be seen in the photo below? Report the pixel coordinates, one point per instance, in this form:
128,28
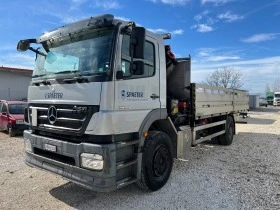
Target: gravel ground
245,175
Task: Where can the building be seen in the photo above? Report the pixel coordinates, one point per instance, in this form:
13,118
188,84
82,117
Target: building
254,100
14,83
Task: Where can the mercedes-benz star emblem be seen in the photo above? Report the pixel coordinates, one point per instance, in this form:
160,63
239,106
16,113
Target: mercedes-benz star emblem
52,114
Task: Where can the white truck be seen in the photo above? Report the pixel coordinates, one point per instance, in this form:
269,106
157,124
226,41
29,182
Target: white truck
276,99
102,113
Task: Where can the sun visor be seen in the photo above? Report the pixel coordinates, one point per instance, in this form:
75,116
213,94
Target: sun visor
86,24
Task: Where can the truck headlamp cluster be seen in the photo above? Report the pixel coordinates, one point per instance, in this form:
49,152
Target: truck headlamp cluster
92,161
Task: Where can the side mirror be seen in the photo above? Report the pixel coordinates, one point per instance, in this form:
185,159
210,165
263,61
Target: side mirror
23,45
138,68
119,75
138,42
4,113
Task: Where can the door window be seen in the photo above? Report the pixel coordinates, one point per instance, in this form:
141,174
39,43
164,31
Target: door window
149,59
4,108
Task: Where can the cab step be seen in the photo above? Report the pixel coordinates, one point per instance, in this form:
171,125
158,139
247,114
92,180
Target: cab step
126,181
127,143
124,164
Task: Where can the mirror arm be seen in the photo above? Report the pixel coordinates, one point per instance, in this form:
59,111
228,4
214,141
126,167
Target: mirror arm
45,47
130,24
37,51
32,40
132,55
119,75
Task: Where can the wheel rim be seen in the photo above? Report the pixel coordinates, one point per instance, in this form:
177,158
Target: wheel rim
161,161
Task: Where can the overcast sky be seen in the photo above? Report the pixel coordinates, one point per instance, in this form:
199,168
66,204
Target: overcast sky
244,34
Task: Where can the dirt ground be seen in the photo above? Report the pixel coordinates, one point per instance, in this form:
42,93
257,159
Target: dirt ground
245,175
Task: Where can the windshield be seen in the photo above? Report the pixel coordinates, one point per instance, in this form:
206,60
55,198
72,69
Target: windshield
85,54
16,108
277,95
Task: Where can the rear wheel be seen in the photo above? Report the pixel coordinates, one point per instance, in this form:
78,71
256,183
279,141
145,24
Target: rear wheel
157,161
11,131
227,137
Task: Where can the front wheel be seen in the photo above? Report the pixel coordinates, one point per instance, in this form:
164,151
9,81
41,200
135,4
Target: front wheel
11,131
157,161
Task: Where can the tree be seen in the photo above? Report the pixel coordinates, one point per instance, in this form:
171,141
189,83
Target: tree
225,77
276,86
267,88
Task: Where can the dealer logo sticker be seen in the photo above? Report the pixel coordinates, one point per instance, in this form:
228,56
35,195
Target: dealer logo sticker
53,95
123,94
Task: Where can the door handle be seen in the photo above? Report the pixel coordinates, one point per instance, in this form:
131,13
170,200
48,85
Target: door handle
154,96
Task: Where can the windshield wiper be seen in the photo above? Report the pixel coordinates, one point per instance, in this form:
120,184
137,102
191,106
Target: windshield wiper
44,82
67,72
38,75
79,78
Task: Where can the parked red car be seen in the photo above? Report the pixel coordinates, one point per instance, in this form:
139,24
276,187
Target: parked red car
12,117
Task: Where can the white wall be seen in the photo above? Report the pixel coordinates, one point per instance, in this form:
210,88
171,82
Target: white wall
254,101
13,86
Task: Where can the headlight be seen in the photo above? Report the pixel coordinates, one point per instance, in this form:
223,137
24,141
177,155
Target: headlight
27,145
92,161
19,121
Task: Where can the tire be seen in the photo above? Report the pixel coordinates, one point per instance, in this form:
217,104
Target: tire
11,132
157,161
227,137
215,140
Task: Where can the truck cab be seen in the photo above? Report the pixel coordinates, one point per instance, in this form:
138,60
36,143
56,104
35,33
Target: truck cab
103,114
276,99
96,87
269,98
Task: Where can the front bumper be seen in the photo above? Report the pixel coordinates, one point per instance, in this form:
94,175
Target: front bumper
58,162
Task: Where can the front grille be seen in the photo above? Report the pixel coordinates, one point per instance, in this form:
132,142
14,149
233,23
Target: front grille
68,118
55,156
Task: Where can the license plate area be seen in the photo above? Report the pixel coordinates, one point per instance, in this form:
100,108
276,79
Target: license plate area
50,147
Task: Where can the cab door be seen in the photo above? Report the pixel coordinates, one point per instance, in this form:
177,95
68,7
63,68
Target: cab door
136,95
138,92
